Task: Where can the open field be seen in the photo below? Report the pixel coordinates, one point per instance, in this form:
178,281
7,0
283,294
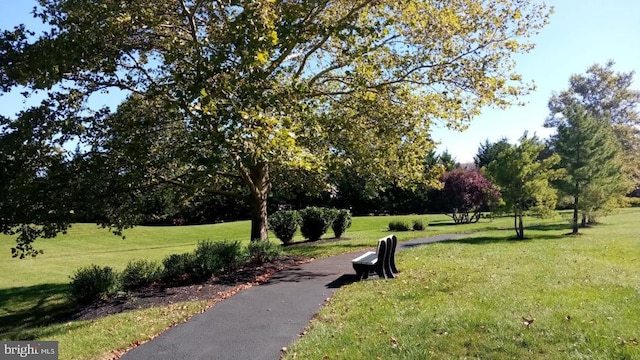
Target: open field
472,298
456,274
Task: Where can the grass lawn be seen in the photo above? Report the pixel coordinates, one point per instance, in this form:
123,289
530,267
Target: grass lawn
480,274
470,298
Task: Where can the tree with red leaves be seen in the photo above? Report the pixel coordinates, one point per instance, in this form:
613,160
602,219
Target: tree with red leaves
465,193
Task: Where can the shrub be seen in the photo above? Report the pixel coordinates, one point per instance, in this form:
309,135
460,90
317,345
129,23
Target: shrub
261,252
341,222
418,225
178,268
93,283
316,222
284,224
216,258
140,273
398,226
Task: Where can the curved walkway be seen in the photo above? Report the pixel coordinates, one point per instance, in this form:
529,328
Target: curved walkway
259,321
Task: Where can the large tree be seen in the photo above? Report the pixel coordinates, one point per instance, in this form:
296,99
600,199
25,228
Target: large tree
524,179
608,96
590,155
224,93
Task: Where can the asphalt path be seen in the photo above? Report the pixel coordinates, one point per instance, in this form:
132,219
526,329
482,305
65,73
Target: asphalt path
258,322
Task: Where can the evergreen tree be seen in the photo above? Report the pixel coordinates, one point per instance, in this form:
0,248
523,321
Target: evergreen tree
590,155
489,151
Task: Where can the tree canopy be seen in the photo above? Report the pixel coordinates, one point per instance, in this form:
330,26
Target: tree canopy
524,179
220,95
608,96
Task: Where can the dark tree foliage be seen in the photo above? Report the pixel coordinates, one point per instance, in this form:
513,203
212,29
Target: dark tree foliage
488,151
465,193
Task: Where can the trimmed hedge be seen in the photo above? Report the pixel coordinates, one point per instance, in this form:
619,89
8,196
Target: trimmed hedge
341,222
316,222
398,226
140,273
93,283
284,224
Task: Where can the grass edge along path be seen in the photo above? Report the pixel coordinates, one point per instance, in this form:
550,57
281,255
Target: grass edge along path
362,235
485,296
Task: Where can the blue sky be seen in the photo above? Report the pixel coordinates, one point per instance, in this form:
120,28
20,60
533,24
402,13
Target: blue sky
580,33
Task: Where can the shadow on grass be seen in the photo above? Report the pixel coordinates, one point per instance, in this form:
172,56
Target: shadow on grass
548,227
26,308
481,240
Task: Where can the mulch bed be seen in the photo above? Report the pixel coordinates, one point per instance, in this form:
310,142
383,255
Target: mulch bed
214,290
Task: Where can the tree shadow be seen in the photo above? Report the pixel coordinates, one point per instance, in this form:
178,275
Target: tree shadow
30,307
443,223
511,240
547,227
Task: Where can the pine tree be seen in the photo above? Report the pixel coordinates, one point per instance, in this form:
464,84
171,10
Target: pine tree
590,155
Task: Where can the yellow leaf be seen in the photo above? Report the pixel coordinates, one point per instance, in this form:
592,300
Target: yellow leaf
262,57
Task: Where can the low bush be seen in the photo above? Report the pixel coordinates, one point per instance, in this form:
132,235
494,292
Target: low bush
216,258
178,268
93,283
140,273
398,226
341,222
284,224
418,225
261,252
316,222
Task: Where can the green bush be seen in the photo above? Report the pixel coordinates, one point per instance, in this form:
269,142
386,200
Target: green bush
316,222
261,252
140,273
284,224
341,222
217,258
93,283
398,226
178,268
418,225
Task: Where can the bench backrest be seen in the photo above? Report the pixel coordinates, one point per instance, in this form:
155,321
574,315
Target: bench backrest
381,251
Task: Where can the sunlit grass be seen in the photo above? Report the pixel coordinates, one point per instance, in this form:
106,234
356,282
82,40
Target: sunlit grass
467,299
441,284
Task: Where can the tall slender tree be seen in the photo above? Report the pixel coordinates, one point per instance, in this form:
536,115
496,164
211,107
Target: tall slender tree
588,152
223,93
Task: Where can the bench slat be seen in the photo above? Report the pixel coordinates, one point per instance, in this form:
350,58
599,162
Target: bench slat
368,258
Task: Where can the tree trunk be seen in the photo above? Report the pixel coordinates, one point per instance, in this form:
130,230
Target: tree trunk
575,215
259,186
520,226
583,223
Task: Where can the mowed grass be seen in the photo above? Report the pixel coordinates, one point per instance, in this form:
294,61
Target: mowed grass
32,291
469,298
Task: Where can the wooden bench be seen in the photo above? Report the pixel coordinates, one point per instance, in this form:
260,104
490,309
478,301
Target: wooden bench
382,262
